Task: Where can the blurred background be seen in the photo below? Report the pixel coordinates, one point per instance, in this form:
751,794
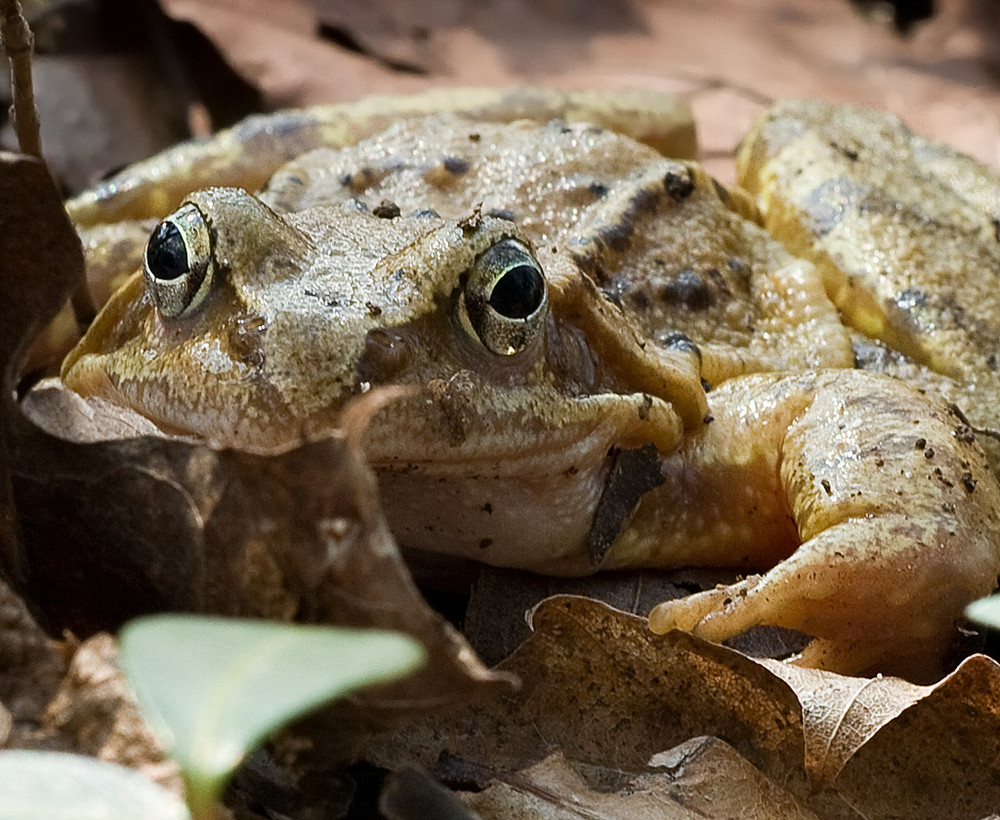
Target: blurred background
116,80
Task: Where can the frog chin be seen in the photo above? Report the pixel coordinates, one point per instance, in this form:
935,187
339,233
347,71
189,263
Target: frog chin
542,508
535,521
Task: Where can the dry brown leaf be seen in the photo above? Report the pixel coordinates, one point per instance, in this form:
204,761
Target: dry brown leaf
940,757
840,714
701,778
275,46
889,748
178,526
495,621
40,263
600,687
601,690
95,713
730,57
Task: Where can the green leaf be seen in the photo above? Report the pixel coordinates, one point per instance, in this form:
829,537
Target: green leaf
58,786
214,688
985,611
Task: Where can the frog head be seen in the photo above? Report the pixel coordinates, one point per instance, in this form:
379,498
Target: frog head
252,329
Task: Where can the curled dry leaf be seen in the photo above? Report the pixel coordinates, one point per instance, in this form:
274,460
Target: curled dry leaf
703,778
177,526
34,236
602,691
600,687
495,624
891,749
40,264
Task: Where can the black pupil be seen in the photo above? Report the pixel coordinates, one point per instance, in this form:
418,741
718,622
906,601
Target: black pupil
518,293
166,255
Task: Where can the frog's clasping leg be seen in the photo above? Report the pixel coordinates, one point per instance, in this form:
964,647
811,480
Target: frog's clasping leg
898,519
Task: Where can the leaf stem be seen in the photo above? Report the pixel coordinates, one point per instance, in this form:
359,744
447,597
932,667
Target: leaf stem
18,42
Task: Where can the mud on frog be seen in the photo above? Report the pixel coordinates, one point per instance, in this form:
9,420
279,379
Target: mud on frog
621,364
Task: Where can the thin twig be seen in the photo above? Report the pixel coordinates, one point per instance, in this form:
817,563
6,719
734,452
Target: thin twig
18,42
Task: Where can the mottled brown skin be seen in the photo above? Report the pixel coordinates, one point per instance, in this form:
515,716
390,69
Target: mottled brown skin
868,506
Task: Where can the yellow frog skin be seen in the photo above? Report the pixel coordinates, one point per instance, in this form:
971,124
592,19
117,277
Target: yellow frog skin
615,363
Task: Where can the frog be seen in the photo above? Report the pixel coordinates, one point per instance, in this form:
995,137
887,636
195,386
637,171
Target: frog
610,359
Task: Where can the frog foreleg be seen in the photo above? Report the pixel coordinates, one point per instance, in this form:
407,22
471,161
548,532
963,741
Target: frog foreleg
896,515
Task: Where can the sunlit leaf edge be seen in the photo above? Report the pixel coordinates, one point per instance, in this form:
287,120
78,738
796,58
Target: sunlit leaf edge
62,786
985,611
208,751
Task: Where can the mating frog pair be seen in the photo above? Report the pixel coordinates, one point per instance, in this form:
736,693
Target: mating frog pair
619,361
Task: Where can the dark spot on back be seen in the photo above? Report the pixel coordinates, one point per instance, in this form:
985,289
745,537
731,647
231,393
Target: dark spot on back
717,280
689,290
455,165
738,266
639,296
598,189
363,179
425,213
850,153
828,203
386,209
679,186
964,434
327,299
502,213
911,298
616,237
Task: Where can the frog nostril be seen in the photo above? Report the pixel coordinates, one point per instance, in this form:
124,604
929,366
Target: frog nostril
166,253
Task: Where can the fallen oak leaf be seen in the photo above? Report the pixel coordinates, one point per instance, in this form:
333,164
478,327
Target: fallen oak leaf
940,757
495,624
178,526
840,714
599,686
889,748
703,778
41,263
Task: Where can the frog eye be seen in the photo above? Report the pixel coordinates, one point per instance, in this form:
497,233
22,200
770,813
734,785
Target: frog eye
504,301
178,264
